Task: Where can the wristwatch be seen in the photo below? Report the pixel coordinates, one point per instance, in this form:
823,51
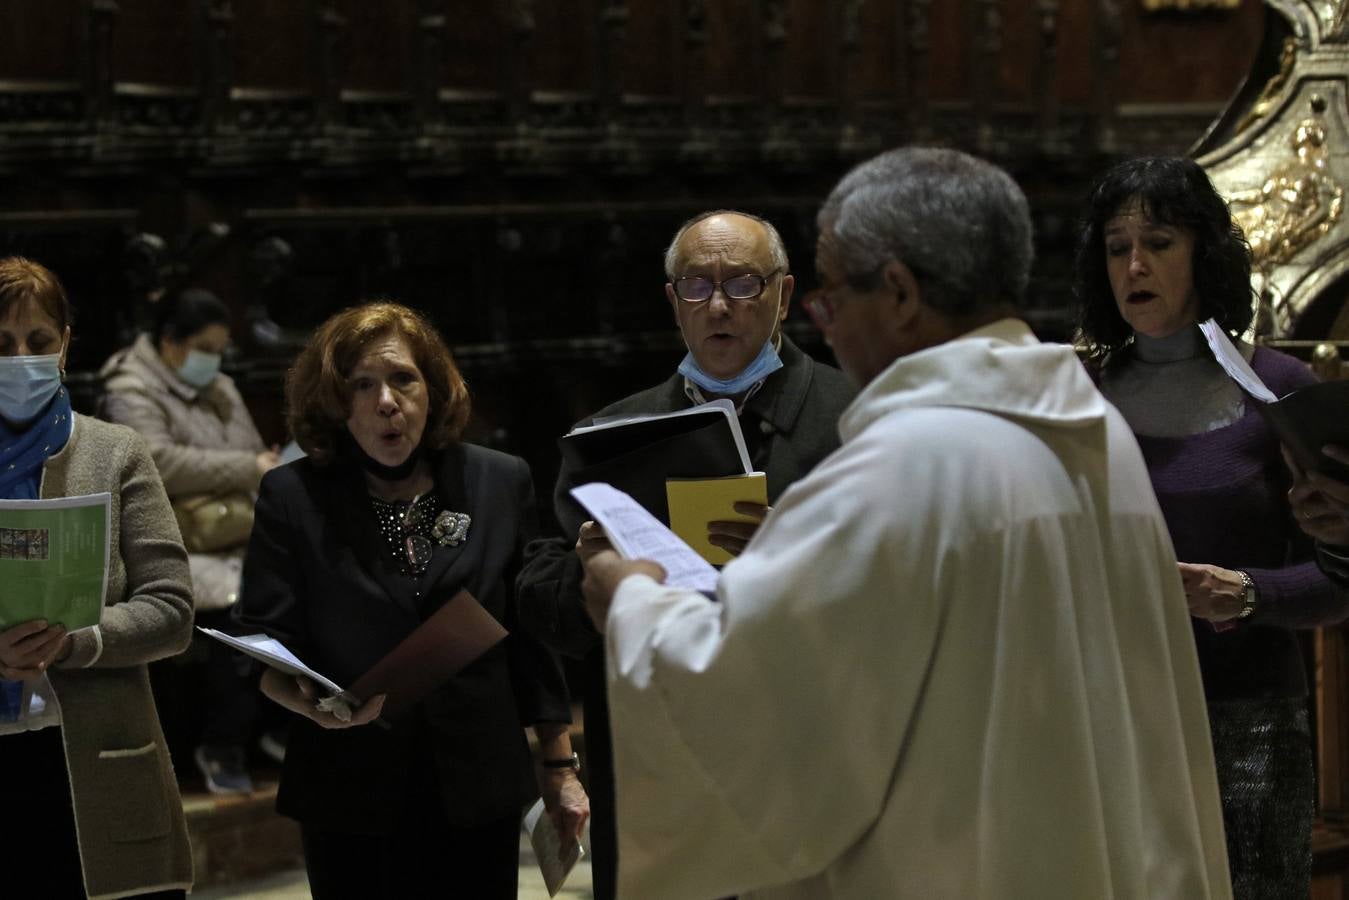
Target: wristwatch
1248,596
572,762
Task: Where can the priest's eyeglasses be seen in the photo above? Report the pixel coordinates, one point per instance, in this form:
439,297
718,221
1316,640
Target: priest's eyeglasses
696,288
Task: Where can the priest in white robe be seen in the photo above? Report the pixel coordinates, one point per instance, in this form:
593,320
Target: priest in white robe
955,661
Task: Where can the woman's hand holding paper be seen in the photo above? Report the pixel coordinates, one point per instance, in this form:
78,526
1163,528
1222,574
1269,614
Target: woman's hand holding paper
300,695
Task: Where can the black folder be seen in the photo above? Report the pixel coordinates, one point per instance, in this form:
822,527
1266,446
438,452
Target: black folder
636,457
1309,418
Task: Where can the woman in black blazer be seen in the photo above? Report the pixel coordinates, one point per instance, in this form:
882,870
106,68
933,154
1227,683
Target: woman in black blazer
353,547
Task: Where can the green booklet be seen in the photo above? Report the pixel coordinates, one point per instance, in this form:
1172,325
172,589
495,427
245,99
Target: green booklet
54,560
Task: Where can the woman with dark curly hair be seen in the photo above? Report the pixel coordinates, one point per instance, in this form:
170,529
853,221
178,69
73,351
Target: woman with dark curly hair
353,547
1158,254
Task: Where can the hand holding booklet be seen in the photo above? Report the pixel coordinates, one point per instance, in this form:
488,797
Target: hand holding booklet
54,560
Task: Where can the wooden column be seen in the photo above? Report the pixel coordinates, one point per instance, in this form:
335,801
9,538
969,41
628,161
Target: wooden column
1105,72
1046,76
329,24
916,16
217,74
99,80
432,20
985,21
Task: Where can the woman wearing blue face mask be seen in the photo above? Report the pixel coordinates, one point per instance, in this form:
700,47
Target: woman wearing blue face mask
168,387
86,770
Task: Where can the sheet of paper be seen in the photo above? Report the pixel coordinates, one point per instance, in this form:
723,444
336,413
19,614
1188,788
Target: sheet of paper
291,452
1233,363
54,559
275,654
543,837
636,534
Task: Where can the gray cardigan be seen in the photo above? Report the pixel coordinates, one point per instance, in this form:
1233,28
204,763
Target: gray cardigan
132,834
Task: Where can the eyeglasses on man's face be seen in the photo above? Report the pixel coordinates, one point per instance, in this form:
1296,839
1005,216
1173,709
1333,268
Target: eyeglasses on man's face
696,288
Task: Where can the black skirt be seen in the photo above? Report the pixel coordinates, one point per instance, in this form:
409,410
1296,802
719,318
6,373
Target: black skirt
1263,751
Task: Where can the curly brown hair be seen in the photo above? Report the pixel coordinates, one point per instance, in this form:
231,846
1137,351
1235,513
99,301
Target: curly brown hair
318,398
23,281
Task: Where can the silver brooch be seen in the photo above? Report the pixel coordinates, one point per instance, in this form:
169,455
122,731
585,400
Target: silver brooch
450,528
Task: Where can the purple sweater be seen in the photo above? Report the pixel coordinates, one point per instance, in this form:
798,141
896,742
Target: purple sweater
1224,496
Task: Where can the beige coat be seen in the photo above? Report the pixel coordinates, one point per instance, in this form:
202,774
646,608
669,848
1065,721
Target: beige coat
132,834
203,441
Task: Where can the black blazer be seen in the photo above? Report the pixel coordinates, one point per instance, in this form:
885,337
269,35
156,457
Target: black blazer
318,579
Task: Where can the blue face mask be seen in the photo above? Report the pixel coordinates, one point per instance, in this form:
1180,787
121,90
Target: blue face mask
765,364
27,385
199,368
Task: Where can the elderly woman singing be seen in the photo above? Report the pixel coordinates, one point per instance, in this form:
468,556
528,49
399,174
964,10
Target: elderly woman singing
389,517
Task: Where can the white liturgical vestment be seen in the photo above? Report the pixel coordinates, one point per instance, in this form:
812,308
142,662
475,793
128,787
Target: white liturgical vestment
955,662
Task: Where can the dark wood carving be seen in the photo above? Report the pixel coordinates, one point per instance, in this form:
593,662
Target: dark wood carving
917,14
217,74
1106,41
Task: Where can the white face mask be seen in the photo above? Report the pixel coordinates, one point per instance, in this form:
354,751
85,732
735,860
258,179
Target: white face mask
199,368
27,385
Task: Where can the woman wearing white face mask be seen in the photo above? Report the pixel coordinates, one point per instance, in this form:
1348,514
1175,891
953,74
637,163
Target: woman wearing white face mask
88,773
169,388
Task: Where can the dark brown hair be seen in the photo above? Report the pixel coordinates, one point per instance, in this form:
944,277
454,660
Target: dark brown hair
1175,191
22,281
318,398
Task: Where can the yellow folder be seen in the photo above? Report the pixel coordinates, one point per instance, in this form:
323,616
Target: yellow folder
696,501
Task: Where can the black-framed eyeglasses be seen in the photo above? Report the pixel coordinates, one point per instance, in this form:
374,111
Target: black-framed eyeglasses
696,288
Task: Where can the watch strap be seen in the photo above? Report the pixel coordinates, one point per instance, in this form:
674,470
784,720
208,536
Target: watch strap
572,762
1248,596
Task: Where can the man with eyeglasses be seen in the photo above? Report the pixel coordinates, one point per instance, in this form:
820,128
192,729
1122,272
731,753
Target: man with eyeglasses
729,288
956,659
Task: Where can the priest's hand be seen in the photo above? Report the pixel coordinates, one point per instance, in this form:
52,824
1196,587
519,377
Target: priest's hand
300,695
1213,593
734,536
1321,503
27,649
591,540
604,572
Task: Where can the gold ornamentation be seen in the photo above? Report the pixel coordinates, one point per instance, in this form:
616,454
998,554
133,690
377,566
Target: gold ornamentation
1296,205
1265,103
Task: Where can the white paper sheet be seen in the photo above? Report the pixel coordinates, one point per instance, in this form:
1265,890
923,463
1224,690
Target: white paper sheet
1233,363
636,534
543,837
275,654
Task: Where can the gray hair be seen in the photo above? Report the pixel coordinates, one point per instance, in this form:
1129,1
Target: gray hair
960,224
776,249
